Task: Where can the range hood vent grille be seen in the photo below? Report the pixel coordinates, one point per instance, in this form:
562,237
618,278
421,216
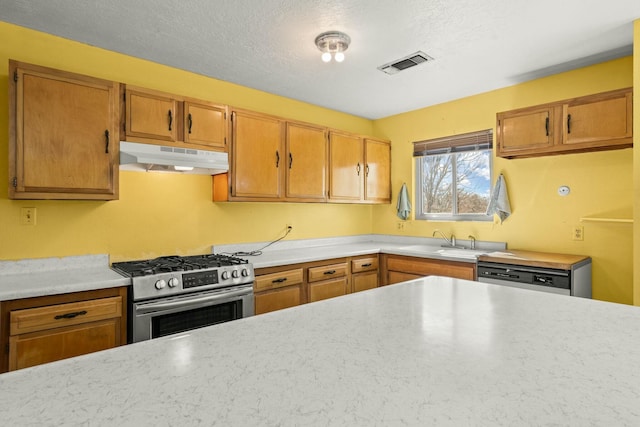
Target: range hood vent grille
408,61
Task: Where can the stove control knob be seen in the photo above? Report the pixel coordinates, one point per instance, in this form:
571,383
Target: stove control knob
225,275
173,282
234,274
160,284
245,272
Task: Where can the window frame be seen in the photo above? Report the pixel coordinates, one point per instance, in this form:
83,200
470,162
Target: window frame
451,145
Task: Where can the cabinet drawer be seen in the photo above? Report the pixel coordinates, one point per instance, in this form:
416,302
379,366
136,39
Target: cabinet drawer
56,316
278,280
327,272
364,264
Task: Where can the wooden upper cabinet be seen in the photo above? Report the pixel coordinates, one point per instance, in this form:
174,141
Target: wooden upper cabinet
274,159
360,169
597,122
151,115
346,167
306,162
160,118
63,134
377,171
205,124
593,120
526,131
258,157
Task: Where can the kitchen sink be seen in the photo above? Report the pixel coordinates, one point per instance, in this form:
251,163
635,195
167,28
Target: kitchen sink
447,252
461,253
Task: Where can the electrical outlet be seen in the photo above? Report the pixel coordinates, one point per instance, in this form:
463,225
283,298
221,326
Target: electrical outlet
400,225
578,232
289,227
28,216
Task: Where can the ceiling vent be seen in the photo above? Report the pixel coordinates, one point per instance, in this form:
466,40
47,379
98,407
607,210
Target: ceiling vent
409,61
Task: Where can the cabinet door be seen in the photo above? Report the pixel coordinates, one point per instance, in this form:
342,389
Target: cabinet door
258,157
398,276
327,289
152,115
364,281
346,167
64,135
278,299
377,171
599,118
205,125
306,162
525,130
429,267
47,346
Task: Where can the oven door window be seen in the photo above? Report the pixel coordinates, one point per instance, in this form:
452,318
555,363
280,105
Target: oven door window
182,321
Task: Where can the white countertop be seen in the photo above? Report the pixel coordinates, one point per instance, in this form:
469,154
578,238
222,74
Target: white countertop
299,251
432,351
50,276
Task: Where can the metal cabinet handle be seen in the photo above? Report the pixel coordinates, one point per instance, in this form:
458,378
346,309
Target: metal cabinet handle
170,119
330,272
367,169
367,264
358,168
106,136
290,160
569,123
71,315
277,158
280,280
190,122
546,125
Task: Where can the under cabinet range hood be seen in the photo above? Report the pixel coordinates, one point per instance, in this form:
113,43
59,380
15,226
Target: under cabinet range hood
148,157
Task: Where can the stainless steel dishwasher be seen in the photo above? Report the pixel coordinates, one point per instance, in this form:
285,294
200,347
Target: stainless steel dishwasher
572,279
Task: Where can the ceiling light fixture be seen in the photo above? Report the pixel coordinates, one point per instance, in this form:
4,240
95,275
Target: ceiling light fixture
332,44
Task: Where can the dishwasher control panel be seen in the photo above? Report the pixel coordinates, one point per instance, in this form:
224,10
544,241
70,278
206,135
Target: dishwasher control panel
522,274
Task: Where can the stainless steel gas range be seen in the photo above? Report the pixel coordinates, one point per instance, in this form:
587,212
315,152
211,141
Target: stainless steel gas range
176,294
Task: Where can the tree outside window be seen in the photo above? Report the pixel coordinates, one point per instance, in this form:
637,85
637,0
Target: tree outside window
455,185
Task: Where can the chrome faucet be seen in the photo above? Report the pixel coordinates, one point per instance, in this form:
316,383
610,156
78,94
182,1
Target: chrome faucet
473,241
451,242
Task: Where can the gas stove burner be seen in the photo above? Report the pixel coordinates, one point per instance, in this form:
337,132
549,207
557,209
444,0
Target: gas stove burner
171,263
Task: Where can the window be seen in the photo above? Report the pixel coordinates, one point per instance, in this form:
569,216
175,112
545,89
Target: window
453,177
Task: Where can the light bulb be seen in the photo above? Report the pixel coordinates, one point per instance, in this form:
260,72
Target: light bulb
326,57
183,168
339,56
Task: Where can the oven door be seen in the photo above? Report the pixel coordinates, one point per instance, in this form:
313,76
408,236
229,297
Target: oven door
166,316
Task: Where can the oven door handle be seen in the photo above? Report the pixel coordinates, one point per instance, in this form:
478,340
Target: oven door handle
155,306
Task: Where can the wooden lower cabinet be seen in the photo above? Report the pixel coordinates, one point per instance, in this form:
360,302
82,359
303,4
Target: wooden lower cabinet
278,288
45,329
61,343
327,289
364,281
401,268
290,285
278,299
328,281
364,273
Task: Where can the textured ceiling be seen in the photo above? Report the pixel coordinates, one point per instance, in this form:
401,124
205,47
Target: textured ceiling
269,45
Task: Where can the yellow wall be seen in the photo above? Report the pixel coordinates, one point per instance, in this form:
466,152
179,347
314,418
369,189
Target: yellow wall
157,214
165,214
601,183
636,151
